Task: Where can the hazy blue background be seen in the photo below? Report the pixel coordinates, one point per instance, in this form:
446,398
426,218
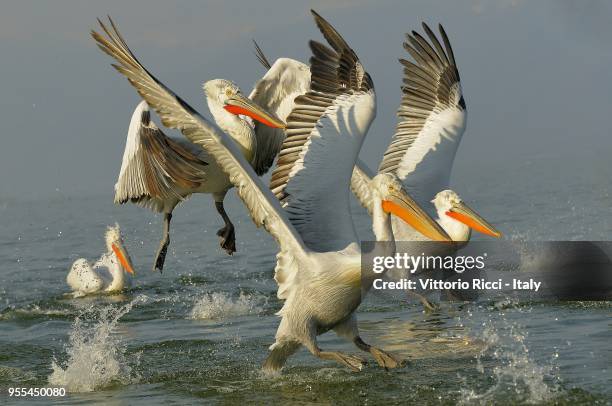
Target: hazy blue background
536,76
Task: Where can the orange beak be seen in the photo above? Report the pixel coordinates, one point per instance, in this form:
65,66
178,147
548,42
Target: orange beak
241,105
463,213
123,257
402,206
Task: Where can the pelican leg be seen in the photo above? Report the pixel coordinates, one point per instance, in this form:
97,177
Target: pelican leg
383,358
160,257
279,352
430,307
353,362
226,234
348,329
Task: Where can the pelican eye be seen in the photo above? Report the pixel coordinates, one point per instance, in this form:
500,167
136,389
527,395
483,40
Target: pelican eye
229,92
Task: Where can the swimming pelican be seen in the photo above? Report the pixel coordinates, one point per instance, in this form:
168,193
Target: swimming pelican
111,273
159,172
318,268
432,120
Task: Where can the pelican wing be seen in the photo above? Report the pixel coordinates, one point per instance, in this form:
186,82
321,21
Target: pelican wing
432,115
156,168
264,208
324,135
360,185
276,91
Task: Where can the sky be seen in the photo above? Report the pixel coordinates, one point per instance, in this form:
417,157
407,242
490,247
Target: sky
536,77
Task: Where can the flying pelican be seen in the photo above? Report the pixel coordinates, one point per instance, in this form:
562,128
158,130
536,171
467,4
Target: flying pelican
111,273
432,120
318,268
159,172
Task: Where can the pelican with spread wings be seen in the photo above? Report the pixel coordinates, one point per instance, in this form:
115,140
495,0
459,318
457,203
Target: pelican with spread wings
318,268
432,119
159,172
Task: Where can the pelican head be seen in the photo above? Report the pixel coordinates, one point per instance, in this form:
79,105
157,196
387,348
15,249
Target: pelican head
395,200
226,101
115,244
458,218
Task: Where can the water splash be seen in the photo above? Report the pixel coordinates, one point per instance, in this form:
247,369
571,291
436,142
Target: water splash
216,306
505,360
96,355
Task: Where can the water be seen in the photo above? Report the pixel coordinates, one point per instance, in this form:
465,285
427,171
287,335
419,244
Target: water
201,330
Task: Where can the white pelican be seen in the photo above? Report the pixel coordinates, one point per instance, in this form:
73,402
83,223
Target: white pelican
432,120
318,268
111,273
158,171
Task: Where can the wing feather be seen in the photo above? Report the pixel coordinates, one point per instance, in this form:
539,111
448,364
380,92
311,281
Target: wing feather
283,82
325,132
155,168
431,116
360,185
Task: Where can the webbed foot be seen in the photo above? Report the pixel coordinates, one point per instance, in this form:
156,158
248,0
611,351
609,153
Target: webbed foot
386,359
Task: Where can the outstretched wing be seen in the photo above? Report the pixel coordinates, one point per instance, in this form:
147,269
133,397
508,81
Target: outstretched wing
324,135
156,168
264,208
432,115
283,82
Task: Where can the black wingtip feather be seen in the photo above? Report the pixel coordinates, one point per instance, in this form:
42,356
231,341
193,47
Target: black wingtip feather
447,45
261,57
332,36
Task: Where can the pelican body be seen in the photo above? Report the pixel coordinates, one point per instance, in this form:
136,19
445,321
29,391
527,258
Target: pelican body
318,269
111,273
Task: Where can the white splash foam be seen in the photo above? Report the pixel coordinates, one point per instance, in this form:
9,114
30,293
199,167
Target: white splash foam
515,373
216,306
96,356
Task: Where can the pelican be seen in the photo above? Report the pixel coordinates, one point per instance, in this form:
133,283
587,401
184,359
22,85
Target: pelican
159,172
111,273
432,120
318,267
